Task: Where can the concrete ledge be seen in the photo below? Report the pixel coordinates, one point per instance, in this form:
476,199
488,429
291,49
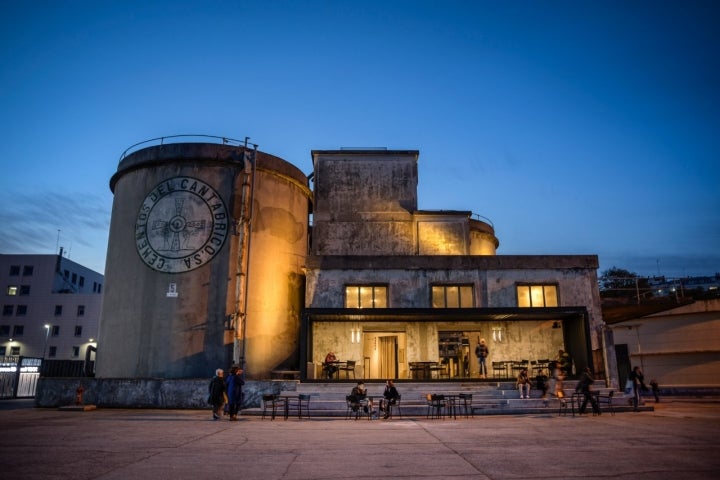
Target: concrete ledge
77,408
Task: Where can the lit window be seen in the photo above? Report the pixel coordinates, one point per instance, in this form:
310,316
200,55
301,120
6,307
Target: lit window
452,296
370,296
12,290
537,295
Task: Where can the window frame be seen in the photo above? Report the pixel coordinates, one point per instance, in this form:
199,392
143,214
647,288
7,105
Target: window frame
446,288
375,294
532,295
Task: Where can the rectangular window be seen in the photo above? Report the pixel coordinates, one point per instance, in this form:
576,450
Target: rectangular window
3,351
66,273
452,296
74,278
14,270
24,289
52,351
75,351
58,310
78,330
18,330
365,296
81,310
12,290
55,330
4,330
8,310
82,281
21,311
537,296
27,271
14,351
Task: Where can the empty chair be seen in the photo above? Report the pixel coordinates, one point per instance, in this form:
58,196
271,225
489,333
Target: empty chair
436,404
270,405
499,370
348,368
607,399
465,401
300,404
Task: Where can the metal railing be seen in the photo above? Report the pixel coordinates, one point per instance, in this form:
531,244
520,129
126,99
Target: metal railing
187,138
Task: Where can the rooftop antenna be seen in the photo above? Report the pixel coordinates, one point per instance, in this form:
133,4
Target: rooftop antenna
57,243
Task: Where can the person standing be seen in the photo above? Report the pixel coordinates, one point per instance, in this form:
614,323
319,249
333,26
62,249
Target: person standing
638,381
234,385
482,352
584,386
390,397
217,393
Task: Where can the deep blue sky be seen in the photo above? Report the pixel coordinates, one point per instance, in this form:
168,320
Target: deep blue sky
576,127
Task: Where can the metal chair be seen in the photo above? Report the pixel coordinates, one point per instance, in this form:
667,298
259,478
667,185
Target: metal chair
465,401
389,406
499,367
271,402
302,402
357,408
607,399
436,404
348,368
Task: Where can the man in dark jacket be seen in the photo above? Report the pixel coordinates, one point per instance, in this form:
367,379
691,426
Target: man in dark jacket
584,386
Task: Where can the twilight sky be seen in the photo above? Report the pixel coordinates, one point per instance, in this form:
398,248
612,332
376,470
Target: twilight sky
576,127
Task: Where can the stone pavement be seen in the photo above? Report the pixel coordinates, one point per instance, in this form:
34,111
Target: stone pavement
679,440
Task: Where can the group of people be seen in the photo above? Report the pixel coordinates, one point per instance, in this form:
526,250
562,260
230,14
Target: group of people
225,393
358,399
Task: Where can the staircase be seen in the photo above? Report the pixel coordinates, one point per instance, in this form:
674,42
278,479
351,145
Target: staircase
489,398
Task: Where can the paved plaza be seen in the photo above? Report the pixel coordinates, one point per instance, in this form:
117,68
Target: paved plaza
679,440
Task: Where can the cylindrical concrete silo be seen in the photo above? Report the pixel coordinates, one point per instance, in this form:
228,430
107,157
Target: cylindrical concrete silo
188,288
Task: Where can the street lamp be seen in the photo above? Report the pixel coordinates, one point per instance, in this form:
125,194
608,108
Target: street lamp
47,334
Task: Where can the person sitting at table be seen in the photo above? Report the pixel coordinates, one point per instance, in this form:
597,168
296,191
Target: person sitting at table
329,365
358,396
390,397
523,383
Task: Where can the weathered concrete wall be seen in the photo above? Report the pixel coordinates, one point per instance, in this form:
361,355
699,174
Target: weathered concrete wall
278,247
174,275
188,393
680,348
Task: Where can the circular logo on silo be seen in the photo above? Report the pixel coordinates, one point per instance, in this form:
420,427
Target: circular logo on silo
182,225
